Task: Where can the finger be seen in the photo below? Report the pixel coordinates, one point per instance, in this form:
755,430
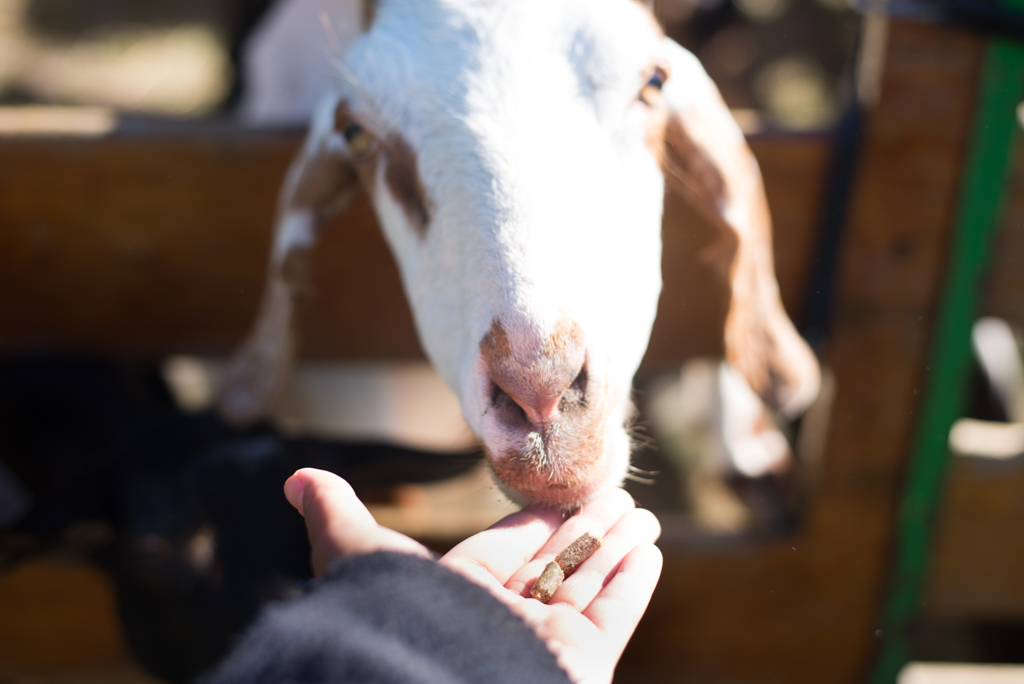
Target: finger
596,517
337,522
636,528
506,546
619,606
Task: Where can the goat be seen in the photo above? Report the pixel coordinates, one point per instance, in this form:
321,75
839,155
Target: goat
517,154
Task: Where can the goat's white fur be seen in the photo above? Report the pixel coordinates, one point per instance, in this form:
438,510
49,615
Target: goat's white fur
534,151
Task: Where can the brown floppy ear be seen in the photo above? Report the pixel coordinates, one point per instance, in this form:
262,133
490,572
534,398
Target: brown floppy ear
320,183
706,160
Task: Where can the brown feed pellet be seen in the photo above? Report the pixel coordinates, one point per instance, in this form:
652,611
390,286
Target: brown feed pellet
577,552
548,582
564,565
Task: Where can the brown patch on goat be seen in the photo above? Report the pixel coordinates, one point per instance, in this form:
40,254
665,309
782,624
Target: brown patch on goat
495,347
757,341
401,173
403,179
760,340
688,168
567,338
691,171
325,180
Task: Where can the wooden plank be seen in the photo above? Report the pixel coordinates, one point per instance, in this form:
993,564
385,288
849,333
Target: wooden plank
58,616
803,609
142,245
978,561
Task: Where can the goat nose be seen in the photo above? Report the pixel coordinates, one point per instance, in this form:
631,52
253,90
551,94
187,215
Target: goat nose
541,390
541,405
541,378
542,409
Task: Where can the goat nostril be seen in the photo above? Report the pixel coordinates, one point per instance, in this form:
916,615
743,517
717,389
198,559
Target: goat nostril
500,399
575,394
536,410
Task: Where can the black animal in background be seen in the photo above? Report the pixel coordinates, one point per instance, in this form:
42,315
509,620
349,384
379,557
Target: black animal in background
186,514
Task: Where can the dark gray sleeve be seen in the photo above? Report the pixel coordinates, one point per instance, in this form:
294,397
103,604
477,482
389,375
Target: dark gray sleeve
389,618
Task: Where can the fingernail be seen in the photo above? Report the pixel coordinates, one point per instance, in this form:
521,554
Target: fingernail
293,488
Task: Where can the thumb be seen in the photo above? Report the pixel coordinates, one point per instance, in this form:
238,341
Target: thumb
338,523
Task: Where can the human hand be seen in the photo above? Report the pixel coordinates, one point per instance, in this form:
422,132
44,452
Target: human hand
592,615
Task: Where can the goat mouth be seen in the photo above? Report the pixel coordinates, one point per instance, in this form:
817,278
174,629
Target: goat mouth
554,465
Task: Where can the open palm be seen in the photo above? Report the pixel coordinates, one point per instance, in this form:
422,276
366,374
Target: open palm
592,615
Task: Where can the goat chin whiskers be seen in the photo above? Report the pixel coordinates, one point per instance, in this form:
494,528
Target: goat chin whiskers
647,477
535,451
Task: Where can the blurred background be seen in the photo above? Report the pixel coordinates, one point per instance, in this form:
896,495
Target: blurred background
138,534
161,58
780,60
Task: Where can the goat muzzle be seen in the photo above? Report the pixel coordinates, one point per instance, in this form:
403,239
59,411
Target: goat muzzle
546,417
